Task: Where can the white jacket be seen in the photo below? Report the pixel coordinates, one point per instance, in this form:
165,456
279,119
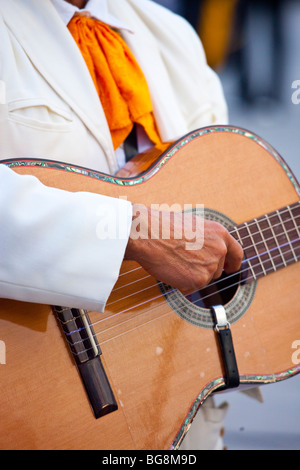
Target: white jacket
49,251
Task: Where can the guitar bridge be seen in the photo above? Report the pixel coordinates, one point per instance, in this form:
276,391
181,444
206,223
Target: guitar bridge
85,349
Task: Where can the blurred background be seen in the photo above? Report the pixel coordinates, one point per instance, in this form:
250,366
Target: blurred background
254,46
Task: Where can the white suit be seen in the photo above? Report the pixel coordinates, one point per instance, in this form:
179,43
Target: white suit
49,108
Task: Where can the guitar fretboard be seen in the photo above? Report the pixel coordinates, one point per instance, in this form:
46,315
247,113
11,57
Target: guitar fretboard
270,242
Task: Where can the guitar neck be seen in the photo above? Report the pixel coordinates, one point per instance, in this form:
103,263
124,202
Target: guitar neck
270,242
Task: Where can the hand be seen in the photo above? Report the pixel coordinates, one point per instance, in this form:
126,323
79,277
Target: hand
168,259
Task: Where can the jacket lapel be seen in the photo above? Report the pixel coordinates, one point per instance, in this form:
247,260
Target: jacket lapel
47,42
144,44
49,45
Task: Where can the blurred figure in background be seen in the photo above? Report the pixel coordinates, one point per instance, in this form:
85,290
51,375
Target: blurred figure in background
240,32
214,22
260,55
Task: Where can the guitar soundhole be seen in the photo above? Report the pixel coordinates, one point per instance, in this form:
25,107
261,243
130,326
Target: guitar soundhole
235,296
219,292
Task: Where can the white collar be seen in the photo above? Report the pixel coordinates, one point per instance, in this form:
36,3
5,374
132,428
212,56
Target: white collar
94,8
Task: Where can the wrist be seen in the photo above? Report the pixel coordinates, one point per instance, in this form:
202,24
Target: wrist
139,231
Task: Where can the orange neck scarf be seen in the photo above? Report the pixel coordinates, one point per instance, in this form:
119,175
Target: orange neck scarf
119,81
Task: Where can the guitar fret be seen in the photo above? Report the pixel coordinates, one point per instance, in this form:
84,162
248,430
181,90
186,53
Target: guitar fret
287,236
252,270
293,220
249,251
268,262
290,239
294,212
275,239
238,236
256,250
270,242
268,245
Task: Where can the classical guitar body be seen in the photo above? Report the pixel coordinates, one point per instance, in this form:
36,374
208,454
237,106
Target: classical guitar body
160,350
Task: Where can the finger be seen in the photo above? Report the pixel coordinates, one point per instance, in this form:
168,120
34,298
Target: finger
219,269
234,256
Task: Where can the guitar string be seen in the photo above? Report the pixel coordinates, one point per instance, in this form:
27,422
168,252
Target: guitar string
212,284
237,229
234,230
215,282
157,306
154,319
96,334
241,239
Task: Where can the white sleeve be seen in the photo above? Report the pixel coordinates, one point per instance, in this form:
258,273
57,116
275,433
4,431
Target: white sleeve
58,247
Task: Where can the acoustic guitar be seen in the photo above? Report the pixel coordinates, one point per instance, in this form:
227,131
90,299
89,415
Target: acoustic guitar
134,376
